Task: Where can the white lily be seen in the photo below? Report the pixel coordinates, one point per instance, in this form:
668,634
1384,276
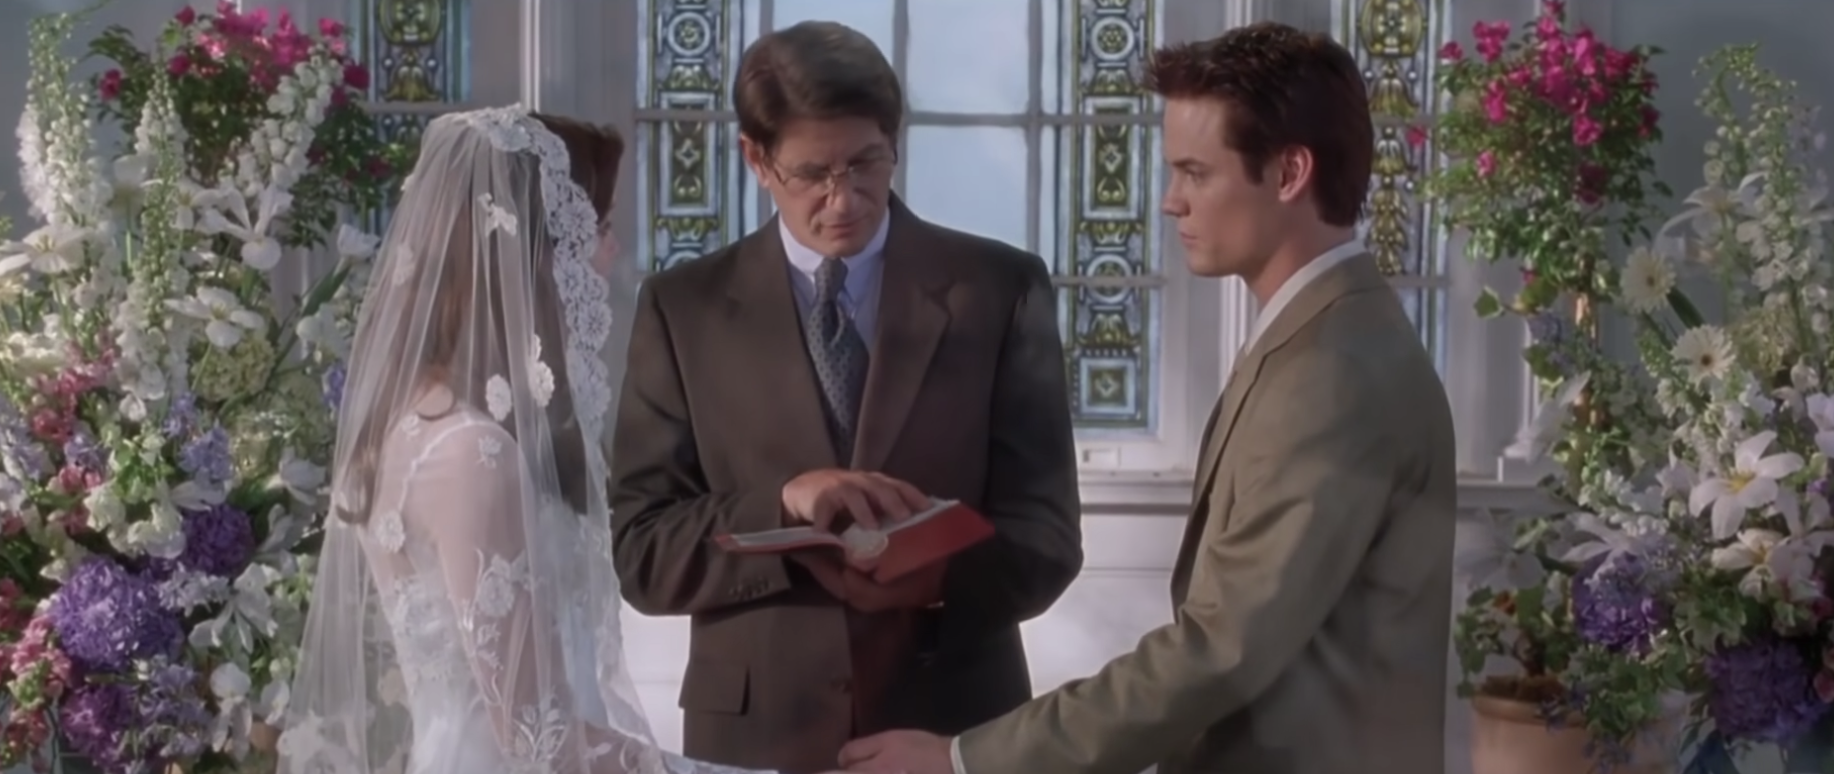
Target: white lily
1490,558
225,320
355,244
1820,408
1539,435
250,610
1750,484
260,248
301,477
1610,540
1774,560
1710,207
320,329
52,249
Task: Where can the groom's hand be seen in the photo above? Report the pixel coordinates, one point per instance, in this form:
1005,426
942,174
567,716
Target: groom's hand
862,593
898,752
825,497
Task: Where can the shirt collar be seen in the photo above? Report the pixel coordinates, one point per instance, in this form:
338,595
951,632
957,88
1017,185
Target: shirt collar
860,266
1306,275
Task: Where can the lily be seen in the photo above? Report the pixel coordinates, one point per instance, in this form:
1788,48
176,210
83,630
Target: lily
1750,484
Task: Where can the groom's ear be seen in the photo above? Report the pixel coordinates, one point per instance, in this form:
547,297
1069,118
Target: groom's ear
754,156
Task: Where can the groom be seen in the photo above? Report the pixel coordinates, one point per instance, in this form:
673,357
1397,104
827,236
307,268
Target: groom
1313,588
842,363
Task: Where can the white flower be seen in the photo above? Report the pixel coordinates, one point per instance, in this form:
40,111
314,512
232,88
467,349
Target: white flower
354,244
249,611
1711,207
1634,536
1704,352
1541,431
496,217
321,329
541,377
1646,281
52,249
260,249
497,397
33,354
1749,485
1773,560
225,319
1490,559
300,476
1821,412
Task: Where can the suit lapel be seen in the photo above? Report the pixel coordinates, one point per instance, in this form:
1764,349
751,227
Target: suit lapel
769,345
913,315
1352,276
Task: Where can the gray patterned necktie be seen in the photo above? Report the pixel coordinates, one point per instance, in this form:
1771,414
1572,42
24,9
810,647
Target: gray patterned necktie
839,355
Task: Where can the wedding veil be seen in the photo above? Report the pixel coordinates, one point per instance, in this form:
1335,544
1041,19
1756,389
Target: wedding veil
465,585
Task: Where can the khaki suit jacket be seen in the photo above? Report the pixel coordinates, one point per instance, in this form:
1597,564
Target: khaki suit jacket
965,399
1313,588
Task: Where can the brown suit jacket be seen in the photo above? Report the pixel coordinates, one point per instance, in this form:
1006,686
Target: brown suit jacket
965,399
1314,585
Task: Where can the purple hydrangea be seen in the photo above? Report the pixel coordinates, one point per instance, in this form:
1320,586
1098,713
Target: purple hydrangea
171,711
1762,690
96,720
181,415
207,457
82,450
1616,605
218,541
19,452
106,617
334,385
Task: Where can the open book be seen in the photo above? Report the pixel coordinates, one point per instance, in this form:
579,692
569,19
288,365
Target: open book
893,551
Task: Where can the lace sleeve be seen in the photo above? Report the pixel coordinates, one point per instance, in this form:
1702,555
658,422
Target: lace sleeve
471,496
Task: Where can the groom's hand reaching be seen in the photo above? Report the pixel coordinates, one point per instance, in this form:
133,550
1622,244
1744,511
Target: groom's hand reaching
827,498
861,592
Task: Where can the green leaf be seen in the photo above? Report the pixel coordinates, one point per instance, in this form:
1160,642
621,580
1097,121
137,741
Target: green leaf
1488,305
1689,315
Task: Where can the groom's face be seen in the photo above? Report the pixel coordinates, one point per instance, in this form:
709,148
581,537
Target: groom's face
831,181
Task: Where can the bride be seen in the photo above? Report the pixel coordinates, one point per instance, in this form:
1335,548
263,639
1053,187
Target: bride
465,613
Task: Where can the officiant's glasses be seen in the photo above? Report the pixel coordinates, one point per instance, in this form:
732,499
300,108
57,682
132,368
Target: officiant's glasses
812,178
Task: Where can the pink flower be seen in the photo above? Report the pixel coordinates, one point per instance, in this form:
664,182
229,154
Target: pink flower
1496,103
1586,130
1490,38
1486,164
1416,136
356,76
1592,179
1451,52
185,17
179,65
330,28
109,87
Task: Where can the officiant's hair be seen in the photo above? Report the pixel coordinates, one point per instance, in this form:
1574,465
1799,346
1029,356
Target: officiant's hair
1284,88
817,70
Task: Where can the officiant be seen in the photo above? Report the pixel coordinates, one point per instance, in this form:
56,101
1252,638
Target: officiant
880,360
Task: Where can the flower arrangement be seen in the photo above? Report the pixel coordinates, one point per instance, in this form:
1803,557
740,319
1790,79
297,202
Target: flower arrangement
1700,568
165,413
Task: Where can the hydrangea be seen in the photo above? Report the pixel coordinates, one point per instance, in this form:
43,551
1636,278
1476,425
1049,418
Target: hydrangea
218,541
96,719
1762,690
1615,606
106,617
206,457
334,386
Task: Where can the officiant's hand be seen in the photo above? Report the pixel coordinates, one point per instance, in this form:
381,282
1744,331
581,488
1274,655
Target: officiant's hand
827,498
861,592
894,752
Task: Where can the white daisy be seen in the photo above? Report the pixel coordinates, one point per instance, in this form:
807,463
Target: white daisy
1705,352
1647,280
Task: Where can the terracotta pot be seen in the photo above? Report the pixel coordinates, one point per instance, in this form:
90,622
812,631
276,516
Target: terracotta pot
1510,737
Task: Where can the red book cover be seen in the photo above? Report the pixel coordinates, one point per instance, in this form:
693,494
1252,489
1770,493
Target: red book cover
924,539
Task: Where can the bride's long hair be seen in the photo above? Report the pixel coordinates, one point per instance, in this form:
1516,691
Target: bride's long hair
594,152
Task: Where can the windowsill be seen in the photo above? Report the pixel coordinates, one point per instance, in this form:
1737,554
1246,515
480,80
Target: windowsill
1147,493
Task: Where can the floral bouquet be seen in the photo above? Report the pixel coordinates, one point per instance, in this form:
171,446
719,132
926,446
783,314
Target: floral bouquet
1702,568
166,412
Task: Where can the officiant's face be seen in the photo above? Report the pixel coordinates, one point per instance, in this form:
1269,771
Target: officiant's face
831,180
1228,219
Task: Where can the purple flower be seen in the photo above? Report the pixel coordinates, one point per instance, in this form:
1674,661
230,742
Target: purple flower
106,617
82,450
1762,690
180,416
173,716
1617,606
97,719
20,454
334,385
206,457
218,541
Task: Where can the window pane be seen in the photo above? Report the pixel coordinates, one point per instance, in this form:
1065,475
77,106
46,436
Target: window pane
969,56
1112,337
418,51
688,197
1102,49
873,18
970,178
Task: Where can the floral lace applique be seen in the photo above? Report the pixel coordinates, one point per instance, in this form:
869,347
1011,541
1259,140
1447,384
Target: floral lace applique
388,531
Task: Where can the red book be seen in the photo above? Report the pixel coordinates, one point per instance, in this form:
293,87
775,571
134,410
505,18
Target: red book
910,545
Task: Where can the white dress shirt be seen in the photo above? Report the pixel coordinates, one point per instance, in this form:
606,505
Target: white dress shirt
1289,289
859,299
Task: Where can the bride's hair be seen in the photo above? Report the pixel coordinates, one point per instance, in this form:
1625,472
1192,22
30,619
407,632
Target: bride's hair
593,153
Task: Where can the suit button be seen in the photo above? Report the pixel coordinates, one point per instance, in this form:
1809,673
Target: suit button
841,685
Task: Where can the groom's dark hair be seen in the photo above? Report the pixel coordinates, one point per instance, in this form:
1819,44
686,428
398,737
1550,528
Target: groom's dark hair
1284,88
814,70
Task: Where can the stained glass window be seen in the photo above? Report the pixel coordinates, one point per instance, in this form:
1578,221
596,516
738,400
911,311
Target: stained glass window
419,56
1395,41
1037,100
